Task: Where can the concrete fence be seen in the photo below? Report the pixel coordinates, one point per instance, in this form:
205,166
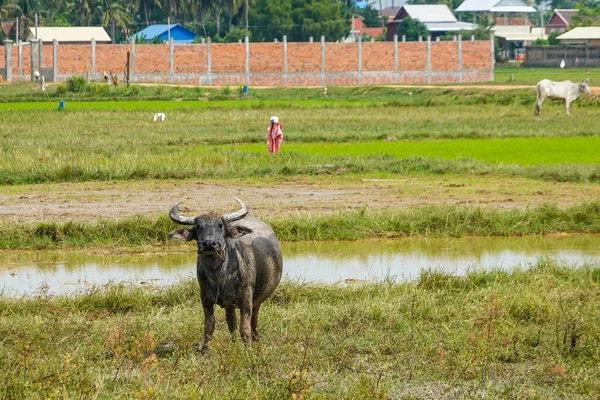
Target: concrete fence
261,64
551,56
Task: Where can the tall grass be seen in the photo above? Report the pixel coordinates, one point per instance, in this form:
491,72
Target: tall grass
435,221
123,145
525,334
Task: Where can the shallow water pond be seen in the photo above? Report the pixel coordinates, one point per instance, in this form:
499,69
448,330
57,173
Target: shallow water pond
55,272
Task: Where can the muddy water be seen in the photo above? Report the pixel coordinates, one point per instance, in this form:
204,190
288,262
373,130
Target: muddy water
67,272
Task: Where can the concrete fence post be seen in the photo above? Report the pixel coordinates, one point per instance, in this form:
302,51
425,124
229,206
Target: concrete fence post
247,40
403,38
460,59
132,61
8,60
323,80
34,57
492,56
428,65
285,61
55,60
209,61
93,57
41,56
20,58
396,59
360,69
172,60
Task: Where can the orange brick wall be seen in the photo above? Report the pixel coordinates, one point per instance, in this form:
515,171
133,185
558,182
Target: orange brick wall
149,59
110,58
304,58
267,66
74,59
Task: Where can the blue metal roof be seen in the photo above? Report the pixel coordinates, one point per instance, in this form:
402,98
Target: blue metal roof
178,33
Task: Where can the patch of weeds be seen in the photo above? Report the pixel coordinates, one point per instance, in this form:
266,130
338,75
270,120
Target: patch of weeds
77,84
226,90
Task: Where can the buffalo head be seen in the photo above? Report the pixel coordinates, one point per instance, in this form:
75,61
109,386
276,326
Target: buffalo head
210,231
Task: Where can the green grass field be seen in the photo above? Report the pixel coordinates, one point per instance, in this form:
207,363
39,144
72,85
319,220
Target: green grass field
526,334
530,334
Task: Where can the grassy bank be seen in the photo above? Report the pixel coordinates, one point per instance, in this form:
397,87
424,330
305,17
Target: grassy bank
524,334
435,221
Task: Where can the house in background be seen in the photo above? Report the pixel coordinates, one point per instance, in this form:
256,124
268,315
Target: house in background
513,28
358,29
491,10
69,34
438,19
162,32
560,20
389,13
585,35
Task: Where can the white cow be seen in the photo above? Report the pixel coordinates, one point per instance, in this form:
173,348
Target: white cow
566,90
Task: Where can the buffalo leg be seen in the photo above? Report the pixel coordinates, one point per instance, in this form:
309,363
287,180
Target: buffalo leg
567,107
209,324
254,322
246,317
231,319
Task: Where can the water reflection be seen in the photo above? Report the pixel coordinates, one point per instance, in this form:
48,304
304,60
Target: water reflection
65,272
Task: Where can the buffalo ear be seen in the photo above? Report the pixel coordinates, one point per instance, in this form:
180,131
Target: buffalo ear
237,231
181,234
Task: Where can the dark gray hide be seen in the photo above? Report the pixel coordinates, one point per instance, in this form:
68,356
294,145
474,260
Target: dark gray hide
239,266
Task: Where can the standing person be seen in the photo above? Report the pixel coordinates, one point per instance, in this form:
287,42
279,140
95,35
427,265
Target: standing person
274,135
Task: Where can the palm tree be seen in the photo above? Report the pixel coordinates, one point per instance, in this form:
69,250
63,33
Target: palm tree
113,14
233,7
82,11
148,6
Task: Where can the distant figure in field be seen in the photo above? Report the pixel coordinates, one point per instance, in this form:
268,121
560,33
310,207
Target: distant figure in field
274,135
566,90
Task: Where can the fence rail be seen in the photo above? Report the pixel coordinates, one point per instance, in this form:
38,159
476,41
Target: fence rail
261,64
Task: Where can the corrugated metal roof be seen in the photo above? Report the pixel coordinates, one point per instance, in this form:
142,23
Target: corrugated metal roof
430,13
494,6
69,34
449,26
582,32
152,31
520,33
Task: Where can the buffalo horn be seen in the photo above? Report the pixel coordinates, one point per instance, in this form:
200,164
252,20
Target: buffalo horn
179,219
238,214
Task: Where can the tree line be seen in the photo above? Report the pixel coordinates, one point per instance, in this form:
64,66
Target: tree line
222,20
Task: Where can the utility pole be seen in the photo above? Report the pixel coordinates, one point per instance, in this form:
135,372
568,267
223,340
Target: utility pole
246,18
36,26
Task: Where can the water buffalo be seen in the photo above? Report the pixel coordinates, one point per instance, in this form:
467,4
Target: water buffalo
239,266
566,90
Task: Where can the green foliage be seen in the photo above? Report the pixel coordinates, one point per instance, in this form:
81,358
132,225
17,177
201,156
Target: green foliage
412,29
298,19
552,38
370,16
77,84
586,16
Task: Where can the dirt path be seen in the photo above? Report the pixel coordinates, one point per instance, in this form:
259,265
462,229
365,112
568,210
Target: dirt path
93,200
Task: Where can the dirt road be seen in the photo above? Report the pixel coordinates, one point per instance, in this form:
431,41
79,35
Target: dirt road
268,198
